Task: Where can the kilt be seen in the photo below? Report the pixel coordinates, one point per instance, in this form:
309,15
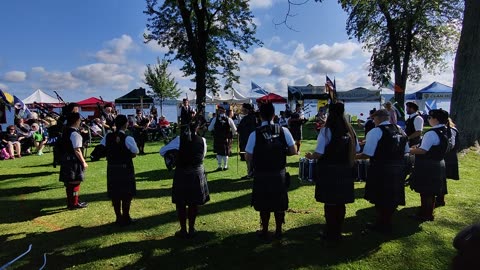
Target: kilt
269,192
451,165
222,147
335,184
428,176
121,181
71,169
190,186
296,133
385,184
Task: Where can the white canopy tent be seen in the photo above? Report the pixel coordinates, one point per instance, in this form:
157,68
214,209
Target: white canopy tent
41,97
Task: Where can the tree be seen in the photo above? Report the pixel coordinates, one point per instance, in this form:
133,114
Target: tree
406,37
206,36
466,86
158,78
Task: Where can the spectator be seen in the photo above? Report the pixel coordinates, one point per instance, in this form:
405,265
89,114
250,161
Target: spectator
12,140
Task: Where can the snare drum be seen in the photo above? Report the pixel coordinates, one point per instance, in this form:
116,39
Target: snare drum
361,168
307,169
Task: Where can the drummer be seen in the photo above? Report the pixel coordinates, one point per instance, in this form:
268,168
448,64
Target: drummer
336,147
386,146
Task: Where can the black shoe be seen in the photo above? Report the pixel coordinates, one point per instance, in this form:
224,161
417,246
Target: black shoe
181,234
128,221
226,168
192,233
80,205
439,204
278,235
218,169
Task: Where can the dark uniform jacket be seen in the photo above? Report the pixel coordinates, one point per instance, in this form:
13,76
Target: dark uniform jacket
269,191
120,170
386,175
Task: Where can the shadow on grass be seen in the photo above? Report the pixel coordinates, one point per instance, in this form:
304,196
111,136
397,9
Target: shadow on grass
24,175
17,191
154,175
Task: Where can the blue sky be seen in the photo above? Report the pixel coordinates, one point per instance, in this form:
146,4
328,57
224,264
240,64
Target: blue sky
95,48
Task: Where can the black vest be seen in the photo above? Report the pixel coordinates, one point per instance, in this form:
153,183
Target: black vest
67,146
221,128
369,125
117,151
437,152
190,152
270,151
391,145
410,129
337,149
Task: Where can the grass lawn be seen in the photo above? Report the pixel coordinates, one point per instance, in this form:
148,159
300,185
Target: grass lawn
32,207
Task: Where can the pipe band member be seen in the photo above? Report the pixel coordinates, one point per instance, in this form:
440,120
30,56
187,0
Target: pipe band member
223,129
386,146
414,124
120,150
73,163
268,147
337,145
429,175
190,189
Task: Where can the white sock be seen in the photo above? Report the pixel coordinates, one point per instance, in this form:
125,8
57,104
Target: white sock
219,161
225,161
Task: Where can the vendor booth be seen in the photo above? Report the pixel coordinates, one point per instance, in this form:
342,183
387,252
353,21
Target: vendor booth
427,97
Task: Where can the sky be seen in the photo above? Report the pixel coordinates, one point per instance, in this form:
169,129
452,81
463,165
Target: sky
94,48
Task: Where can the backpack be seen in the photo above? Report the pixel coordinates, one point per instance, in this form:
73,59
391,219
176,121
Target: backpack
4,154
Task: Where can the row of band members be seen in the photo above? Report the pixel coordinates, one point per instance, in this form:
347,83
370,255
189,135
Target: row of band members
267,148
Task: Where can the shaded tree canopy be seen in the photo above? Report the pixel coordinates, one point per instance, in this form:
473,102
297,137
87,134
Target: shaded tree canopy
406,37
161,83
206,35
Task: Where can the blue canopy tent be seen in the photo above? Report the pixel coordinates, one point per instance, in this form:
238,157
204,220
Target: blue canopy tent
428,96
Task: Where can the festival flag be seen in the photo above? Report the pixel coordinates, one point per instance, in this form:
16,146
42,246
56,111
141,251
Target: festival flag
19,105
394,87
330,86
7,99
259,90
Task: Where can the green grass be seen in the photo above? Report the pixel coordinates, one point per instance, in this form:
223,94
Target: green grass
32,207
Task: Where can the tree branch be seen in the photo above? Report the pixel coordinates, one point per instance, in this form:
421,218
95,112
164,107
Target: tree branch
289,14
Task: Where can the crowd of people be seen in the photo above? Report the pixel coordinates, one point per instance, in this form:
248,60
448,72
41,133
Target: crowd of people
265,141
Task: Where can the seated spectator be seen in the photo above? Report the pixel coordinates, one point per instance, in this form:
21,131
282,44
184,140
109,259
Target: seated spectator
39,140
153,128
24,130
164,126
12,141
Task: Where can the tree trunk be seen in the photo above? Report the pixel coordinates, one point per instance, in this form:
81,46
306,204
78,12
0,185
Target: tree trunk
465,111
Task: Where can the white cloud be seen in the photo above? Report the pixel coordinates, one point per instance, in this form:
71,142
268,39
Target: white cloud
260,3
336,51
326,66
100,74
57,80
38,70
115,51
284,70
15,76
305,80
264,56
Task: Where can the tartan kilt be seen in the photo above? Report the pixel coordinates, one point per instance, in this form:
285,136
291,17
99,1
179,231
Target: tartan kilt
121,181
335,184
428,176
190,186
71,169
269,192
385,185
